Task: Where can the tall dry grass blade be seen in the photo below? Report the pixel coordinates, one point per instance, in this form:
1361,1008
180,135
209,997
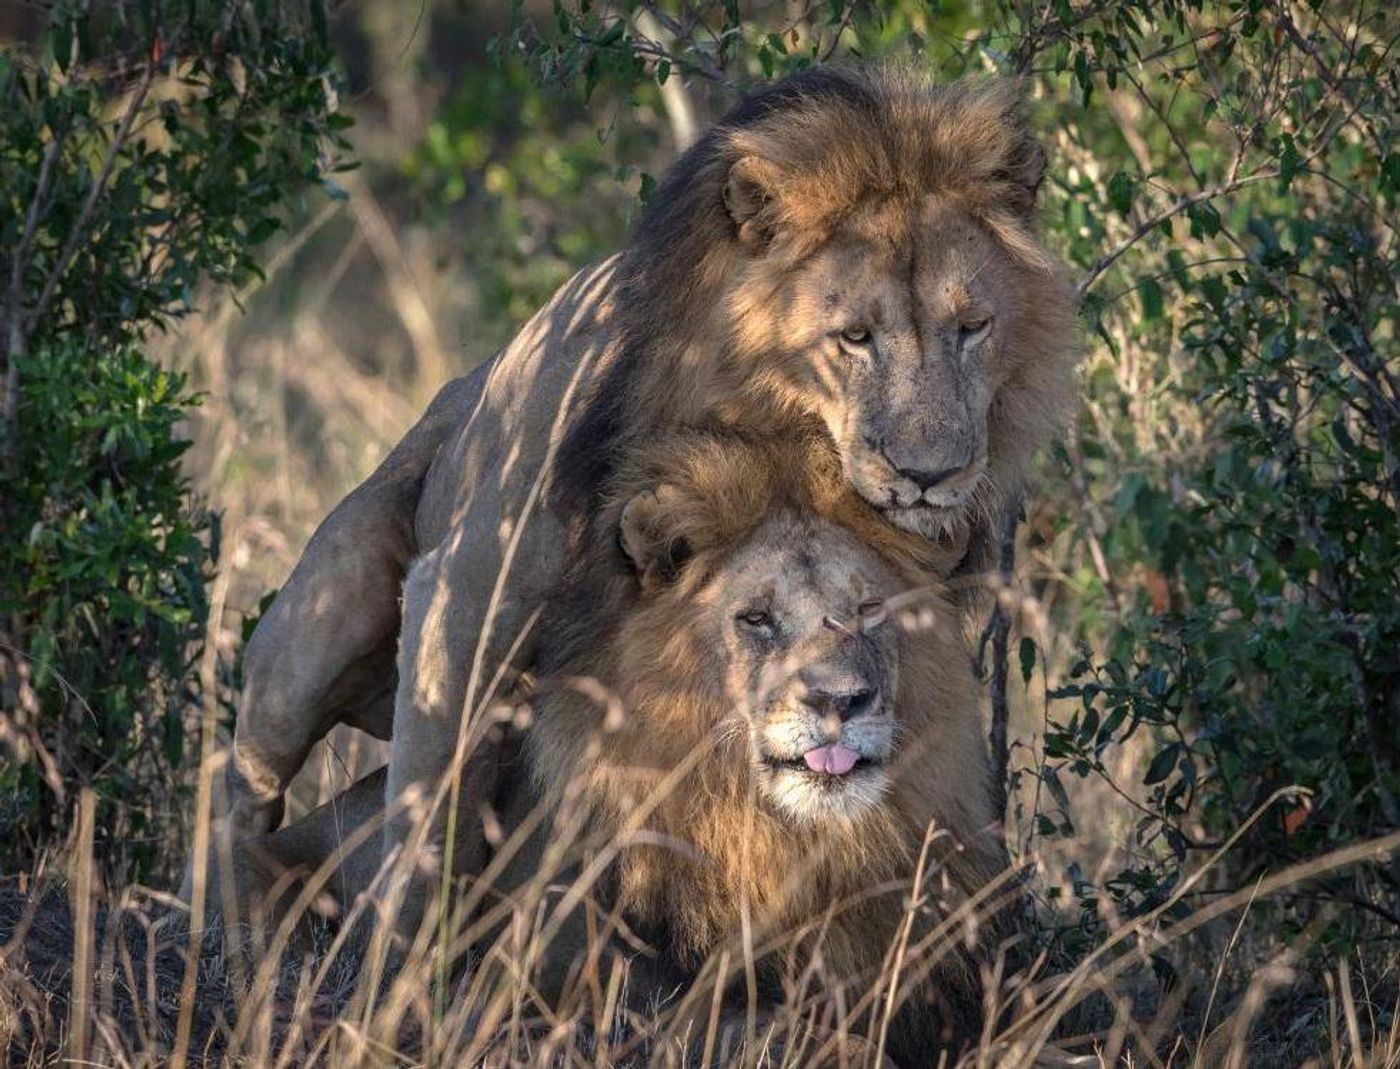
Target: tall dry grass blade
210,764
263,985
1220,972
1068,993
403,287
1358,1057
82,888
1277,974
716,1002
902,942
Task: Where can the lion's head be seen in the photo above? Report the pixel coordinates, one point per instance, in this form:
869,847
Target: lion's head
857,250
794,639
764,649
903,332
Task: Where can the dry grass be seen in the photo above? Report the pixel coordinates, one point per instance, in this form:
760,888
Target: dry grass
114,980
356,328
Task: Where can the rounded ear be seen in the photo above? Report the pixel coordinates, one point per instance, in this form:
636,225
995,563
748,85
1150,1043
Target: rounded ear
749,197
657,553
1025,169
1031,172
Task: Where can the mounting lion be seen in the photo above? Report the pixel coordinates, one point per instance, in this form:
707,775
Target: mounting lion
849,256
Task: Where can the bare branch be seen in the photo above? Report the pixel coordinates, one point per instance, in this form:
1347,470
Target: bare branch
673,94
76,235
1147,226
15,334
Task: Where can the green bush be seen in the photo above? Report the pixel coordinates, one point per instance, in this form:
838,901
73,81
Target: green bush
144,150
112,557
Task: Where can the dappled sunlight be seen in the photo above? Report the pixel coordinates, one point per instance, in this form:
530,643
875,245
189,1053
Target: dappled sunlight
576,537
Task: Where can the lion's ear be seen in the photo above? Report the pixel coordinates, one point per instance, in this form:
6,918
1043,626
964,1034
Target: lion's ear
1025,168
749,197
1033,164
656,552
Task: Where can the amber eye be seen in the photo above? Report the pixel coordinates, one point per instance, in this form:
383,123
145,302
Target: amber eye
856,335
755,618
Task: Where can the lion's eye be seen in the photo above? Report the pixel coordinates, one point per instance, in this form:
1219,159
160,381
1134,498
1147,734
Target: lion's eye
755,618
871,612
973,328
856,335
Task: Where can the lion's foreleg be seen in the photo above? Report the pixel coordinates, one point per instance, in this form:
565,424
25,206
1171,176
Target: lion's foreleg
444,760
321,654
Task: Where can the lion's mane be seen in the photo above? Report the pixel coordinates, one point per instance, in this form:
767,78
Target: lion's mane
646,651
831,140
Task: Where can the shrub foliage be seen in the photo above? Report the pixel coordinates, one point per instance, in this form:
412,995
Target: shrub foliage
144,149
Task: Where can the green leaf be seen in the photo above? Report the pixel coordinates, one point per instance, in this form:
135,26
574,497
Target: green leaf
1162,764
1120,192
1151,294
1051,780
612,34
1027,659
765,60
263,229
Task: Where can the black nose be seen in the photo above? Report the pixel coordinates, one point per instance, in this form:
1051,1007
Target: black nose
926,480
846,706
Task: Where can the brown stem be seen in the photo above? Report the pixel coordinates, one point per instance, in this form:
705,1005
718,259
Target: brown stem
16,335
76,235
1000,631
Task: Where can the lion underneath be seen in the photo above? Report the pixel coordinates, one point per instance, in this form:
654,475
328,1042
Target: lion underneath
758,689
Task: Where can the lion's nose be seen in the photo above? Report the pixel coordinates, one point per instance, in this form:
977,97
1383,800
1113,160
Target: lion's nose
923,476
927,480
846,705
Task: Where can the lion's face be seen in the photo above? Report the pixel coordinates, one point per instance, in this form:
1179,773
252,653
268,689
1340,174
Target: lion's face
793,645
892,333
811,664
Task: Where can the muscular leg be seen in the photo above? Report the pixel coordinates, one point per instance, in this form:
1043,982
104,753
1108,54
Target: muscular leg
324,652
321,651
444,686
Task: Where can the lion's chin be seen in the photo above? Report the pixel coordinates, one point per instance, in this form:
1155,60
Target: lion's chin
815,798
933,522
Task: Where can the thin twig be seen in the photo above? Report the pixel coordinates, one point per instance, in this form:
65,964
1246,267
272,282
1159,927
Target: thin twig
1147,226
79,230
16,337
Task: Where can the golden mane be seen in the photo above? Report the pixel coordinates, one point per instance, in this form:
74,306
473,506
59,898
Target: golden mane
848,878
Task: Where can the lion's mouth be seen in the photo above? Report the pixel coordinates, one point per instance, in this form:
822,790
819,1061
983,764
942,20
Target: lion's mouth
953,502
813,786
800,765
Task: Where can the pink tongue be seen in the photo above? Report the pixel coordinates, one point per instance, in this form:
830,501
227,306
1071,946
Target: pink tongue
835,759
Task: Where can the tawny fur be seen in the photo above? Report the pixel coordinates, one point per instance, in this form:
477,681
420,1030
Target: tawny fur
722,312
848,877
